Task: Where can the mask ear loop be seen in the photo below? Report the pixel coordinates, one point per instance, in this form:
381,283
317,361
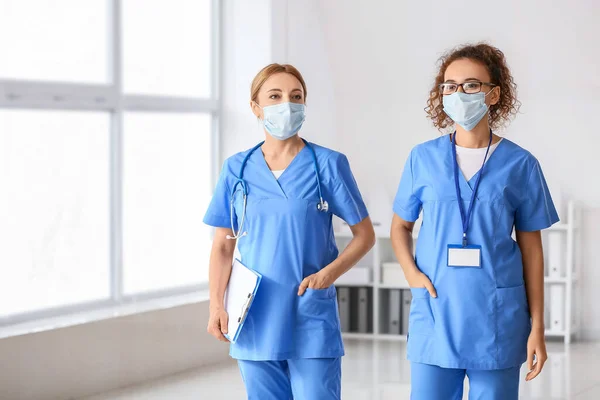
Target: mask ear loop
260,121
489,113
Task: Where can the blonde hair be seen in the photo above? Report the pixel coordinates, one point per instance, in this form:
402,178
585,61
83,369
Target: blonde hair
270,70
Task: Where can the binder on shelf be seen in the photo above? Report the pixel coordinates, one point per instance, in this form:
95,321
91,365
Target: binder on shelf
557,307
555,255
406,300
395,307
353,309
364,307
344,308
384,311
241,289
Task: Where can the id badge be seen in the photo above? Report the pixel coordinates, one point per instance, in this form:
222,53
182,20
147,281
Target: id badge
464,256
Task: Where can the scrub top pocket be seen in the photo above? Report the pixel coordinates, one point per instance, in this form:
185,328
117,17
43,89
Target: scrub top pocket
513,322
420,320
317,310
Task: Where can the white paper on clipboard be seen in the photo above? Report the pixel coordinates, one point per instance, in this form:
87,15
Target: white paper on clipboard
242,286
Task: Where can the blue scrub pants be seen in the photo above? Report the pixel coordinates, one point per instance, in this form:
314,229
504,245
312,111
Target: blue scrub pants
430,382
301,379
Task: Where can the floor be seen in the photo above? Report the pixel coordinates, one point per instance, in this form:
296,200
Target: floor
377,370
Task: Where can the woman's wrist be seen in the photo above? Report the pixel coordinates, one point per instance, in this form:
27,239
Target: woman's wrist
537,325
329,274
410,271
215,304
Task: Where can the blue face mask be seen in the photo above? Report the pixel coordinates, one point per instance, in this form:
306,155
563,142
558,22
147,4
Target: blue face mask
465,109
283,120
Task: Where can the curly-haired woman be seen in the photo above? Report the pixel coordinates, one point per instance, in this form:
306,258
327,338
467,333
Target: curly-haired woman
477,307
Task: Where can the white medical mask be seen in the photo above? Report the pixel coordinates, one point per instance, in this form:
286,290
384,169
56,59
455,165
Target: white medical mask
466,109
284,120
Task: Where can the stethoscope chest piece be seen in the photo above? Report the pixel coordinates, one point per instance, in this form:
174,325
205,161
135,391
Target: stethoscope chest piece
323,206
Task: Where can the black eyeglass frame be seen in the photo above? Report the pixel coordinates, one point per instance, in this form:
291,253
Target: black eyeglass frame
481,84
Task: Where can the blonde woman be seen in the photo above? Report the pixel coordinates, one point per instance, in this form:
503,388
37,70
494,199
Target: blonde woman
284,192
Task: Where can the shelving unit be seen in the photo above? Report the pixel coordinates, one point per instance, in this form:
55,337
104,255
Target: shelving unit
548,279
562,249
566,234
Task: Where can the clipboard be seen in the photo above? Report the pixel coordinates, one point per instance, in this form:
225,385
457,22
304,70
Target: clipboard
241,289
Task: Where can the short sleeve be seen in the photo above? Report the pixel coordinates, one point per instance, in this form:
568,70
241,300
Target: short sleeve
406,204
345,199
536,211
219,211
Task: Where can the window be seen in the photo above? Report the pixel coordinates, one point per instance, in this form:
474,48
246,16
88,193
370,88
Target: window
165,47
54,210
49,41
108,118
165,242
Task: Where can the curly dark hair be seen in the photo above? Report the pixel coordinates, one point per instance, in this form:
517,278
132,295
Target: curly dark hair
493,59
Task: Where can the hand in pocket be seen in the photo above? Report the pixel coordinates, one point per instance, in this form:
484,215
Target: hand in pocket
420,280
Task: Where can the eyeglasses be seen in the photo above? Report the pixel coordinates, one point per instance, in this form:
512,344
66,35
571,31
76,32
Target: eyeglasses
469,87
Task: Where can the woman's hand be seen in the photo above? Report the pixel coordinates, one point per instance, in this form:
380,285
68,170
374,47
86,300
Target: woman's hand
217,323
320,280
363,239
417,279
536,345
402,242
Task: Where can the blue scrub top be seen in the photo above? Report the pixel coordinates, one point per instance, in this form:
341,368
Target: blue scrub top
289,239
480,319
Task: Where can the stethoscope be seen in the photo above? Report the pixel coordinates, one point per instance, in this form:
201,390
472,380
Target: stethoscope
241,184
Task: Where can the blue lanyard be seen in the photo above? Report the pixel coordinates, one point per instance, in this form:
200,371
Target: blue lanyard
466,218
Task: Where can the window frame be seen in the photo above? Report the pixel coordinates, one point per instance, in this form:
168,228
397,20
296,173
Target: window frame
29,94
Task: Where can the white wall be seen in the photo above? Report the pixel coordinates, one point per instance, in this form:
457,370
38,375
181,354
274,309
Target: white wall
375,62
307,51
292,33
249,43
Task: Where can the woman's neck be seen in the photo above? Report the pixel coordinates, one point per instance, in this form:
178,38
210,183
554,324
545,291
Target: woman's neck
275,149
477,138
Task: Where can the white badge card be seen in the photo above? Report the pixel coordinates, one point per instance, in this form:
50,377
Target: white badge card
464,256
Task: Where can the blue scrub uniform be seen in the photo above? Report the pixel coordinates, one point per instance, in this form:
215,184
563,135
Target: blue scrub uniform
480,319
300,379
430,382
288,239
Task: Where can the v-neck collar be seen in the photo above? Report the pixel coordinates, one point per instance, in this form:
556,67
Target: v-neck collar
277,182
468,186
